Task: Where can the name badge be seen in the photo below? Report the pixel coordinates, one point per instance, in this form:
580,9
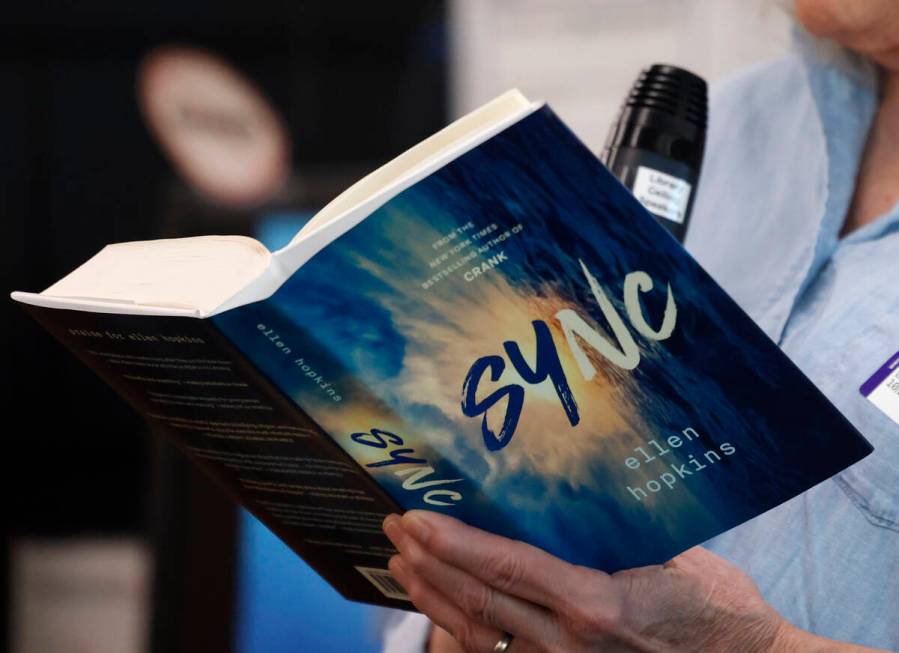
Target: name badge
882,389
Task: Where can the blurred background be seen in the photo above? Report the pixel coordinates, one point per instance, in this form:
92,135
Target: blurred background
111,543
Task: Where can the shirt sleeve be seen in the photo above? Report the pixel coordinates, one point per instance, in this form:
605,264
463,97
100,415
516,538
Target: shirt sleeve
405,632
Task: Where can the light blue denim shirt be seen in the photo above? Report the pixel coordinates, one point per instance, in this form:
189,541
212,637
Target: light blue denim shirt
785,143
784,147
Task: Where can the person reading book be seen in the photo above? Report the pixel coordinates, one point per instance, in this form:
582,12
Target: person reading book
591,391
799,220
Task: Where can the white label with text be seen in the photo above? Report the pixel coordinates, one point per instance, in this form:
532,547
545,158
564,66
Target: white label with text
662,194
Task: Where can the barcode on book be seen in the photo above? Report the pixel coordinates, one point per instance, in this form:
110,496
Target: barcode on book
385,582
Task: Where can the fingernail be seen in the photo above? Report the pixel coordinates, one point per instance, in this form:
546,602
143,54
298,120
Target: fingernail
416,525
392,528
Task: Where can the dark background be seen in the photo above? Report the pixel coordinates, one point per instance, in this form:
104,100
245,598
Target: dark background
356,82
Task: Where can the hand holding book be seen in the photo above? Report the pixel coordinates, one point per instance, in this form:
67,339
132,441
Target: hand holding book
478,587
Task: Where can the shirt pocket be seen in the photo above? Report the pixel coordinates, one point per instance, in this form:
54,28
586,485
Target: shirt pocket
872,484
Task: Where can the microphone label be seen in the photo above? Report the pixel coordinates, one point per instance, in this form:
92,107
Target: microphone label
662,194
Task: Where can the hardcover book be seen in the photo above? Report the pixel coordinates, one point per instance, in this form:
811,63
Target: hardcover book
489,326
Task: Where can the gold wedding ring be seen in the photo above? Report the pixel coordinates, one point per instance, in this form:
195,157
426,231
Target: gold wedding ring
503,644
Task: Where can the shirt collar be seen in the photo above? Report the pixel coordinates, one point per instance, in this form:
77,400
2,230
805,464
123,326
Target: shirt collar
785,143
845,92
844,87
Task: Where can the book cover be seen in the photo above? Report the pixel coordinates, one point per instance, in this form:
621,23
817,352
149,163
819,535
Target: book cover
195,388
514,341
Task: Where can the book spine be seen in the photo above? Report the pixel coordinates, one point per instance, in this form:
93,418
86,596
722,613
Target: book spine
196,388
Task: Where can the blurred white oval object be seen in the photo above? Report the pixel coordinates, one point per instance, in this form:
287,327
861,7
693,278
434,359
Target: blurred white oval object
214,125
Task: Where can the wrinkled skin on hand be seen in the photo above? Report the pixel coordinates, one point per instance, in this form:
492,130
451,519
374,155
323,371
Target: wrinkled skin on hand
477,586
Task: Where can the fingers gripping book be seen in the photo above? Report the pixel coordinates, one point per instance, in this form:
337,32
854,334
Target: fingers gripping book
489,326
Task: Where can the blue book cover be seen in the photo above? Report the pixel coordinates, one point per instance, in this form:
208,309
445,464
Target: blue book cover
514,341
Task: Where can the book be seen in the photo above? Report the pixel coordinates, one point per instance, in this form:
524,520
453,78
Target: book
489,326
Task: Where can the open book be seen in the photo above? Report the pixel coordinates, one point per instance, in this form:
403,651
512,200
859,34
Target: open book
490,326
205,275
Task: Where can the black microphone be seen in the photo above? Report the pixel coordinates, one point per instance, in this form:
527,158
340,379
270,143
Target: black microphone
656,145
